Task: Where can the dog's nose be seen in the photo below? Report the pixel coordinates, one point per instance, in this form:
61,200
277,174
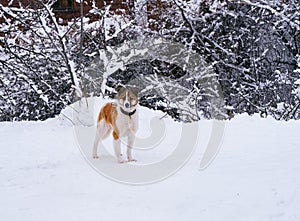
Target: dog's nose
127,105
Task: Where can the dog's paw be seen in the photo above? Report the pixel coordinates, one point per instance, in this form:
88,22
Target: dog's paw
95,157
121,161
131,160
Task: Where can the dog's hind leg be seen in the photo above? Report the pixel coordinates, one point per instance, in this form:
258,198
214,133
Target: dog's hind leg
96,142
103,130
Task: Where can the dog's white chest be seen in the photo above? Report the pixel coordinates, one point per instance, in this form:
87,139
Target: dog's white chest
127,124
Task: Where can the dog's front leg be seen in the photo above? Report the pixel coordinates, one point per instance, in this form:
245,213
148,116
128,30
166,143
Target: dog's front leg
96,142
117,147
130,142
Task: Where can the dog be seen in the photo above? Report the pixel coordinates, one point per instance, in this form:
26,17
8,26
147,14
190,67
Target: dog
120,118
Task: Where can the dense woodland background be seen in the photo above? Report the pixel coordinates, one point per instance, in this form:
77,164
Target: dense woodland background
251,49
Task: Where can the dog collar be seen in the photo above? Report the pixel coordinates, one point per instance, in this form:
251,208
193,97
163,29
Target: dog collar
127,113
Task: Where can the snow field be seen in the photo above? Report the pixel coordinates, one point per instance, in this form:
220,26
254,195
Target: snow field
255,176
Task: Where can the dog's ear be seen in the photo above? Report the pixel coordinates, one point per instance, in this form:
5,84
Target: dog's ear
119,88
135,90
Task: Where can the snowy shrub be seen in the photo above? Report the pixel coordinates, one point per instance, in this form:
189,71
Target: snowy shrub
252,46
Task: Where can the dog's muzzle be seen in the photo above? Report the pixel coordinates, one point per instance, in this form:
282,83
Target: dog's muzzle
127,105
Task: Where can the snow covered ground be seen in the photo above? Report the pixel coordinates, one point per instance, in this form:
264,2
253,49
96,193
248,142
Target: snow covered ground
255,176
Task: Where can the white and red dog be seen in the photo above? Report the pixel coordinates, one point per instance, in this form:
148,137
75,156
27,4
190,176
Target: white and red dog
120,117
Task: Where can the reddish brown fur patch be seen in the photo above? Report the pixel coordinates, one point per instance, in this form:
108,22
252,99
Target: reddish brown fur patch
106,113
109,114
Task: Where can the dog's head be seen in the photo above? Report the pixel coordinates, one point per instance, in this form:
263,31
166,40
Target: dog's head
127,97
